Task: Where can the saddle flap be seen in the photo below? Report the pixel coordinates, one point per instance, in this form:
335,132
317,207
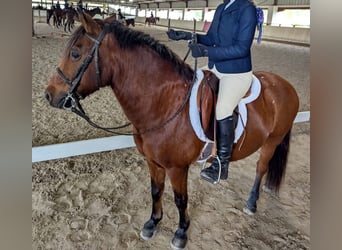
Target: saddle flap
206,102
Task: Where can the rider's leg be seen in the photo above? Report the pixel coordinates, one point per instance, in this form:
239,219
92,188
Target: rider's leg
232,88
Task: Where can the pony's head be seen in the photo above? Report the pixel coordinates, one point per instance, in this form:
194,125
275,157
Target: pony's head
78,73
101,53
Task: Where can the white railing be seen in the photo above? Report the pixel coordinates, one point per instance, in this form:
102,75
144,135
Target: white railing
63,150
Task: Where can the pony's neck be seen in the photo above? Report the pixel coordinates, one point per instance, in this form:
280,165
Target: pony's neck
147,87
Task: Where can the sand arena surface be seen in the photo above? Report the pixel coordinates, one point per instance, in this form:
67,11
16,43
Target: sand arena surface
101,201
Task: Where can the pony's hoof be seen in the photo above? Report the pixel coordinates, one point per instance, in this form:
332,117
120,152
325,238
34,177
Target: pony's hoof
147,235
178,244
267,189
149,230
179,241
248,211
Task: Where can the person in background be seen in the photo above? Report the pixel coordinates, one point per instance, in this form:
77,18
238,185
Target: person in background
66,4
80,4
227,44
121,17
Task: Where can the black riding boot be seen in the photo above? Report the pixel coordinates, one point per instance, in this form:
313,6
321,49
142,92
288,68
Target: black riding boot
224,141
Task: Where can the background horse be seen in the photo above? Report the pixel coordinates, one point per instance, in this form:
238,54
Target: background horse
58,16
49,14
130,21
71,16
93,12
151,20
154,98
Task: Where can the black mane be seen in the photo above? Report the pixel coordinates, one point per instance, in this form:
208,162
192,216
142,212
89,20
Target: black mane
129,38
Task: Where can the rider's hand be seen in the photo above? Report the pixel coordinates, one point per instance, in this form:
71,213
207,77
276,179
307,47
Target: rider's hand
198,50
178,35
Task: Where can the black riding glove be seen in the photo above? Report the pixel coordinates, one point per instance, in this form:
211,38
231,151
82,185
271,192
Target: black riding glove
178,35
198,50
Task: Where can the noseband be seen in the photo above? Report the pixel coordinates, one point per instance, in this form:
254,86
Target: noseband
71,101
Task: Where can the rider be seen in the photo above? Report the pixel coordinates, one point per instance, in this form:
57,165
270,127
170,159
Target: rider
58,6
66,4
121,17
80,4
152,14
227,45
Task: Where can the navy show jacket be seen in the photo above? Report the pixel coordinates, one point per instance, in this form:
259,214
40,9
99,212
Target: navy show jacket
230,37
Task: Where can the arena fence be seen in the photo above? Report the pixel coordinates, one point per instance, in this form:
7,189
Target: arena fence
63,150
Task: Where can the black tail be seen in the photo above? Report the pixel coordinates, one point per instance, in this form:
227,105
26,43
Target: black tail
277,165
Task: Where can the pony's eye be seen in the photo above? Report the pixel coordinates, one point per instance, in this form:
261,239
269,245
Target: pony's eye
75,55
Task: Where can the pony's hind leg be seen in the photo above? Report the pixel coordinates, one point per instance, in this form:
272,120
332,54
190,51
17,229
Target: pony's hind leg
251,205
266,154
273,157
157,188
69,25
179,179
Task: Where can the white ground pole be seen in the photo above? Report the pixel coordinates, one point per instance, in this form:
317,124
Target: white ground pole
63,150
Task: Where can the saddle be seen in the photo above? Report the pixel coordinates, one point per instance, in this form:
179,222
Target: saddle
206,103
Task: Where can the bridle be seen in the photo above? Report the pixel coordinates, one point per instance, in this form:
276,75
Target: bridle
72,99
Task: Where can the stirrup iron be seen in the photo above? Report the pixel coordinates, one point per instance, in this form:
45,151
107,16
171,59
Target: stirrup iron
220,167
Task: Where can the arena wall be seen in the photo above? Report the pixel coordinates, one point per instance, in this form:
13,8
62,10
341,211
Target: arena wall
281,34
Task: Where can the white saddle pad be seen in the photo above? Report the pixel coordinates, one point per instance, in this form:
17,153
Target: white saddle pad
242,118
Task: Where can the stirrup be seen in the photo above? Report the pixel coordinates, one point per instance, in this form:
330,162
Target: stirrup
219,174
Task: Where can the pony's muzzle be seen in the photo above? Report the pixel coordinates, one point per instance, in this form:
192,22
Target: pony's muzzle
57,102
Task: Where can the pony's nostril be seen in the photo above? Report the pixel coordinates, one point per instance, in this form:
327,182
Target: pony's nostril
47,96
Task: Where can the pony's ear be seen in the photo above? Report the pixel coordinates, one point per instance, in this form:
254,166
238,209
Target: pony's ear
89,24
110,19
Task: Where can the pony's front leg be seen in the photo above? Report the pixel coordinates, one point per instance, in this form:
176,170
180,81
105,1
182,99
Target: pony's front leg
179,180
157,188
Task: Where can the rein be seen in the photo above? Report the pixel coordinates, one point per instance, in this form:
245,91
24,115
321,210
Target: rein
72,99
